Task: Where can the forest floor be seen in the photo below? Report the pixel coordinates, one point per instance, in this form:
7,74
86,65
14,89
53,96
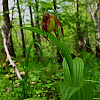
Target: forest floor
43,79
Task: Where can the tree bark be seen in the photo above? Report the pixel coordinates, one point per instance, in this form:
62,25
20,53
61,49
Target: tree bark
9,56
88,47
20,20
95,14
79,32
54,4
32,24
1,49
8,27
37,25
97,19
59,57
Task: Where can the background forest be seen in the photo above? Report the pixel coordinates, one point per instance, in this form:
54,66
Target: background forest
36,65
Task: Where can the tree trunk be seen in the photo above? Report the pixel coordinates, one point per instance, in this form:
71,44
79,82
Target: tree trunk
95,15
20,20
32,24
37,25
59,57
1,44
88,47
97,19
79,32
8,27
54,4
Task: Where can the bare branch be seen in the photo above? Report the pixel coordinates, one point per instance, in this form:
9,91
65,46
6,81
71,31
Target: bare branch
8,55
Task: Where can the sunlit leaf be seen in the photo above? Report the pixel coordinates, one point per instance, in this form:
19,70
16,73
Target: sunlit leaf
46,5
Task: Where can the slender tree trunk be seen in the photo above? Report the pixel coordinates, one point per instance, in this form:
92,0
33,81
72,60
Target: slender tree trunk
79,32
20,20
97,19
8,27
95,16
1,48
54,4
37,25
32,24
88,47
59,57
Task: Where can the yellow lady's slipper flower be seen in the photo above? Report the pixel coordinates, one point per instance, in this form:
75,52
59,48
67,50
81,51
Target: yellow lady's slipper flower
49,23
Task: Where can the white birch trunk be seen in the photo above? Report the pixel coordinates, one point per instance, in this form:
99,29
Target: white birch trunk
9,57
95,15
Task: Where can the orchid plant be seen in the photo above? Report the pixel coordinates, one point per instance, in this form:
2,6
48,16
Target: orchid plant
49,23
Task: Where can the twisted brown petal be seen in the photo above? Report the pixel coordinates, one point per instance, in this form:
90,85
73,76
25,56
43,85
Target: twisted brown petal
59,24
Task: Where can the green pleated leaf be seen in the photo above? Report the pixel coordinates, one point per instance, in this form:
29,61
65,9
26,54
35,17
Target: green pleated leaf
77,93
61,46
67,76
78,67
88,92
83,95
76,90
68,91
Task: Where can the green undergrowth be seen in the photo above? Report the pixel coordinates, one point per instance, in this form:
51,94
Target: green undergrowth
43,80
46,79
92,71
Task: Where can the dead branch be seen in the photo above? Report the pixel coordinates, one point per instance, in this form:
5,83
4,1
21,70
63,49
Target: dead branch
9,57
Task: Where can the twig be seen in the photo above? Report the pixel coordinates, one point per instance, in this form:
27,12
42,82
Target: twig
9,57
